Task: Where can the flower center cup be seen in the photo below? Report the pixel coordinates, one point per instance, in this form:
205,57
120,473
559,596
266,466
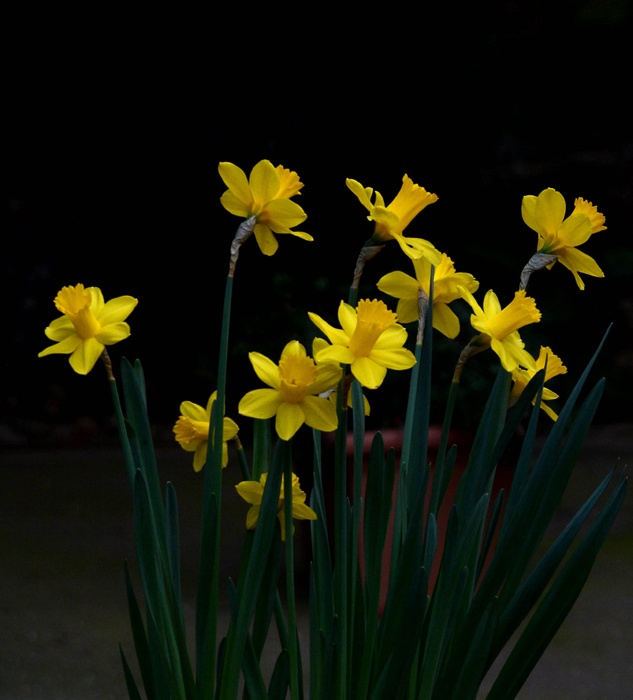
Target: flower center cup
518,313
296,374
74,302
373,319
187,430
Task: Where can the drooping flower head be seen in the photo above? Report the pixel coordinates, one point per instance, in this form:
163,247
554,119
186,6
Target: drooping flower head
294,383
253,492
192,431
446,280
545,214
393,219
266,195
88,324
499,327
369,340
521,378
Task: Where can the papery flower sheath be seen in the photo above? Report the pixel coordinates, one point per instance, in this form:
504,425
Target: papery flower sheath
545,214
266,195
253,492
294,383
393,219
370,341
446,280
88,324
521,378
499,327
192,431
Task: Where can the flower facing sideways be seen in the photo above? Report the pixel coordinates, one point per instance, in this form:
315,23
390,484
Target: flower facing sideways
266,195
294,383
521,378
370,341
499,327
192,431
88,324
545,214
446,280
392,220
253,492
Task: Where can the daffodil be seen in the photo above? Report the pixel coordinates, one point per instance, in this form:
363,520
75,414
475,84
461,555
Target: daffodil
253,492
545,214
521,378
499,327
446,280
266,195
370,341
294,383
88,324
393,219
192,431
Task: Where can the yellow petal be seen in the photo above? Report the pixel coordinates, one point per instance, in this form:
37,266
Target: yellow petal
393,337
576,229
265,240
363,193
335,353
234,205
408,310
290,417
192,410
334,335
86,355
260,403
400,285
263,182
113,333
251,491
64,347
117,310
229,429
399,358
300,511
550,210
328,376
96,300
235,179
319,413
252,517
368,372
528,212
445,320
285,212
347,318
265,369
60,329
294,348
200,457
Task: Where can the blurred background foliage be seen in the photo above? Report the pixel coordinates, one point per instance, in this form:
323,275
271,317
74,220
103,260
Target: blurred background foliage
112,150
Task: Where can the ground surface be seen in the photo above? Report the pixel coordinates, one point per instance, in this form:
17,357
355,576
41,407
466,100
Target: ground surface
66,530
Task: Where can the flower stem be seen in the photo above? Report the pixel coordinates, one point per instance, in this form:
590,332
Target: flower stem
290,578
366,253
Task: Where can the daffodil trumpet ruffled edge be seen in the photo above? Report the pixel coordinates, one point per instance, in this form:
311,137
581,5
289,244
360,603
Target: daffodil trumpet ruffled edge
88,324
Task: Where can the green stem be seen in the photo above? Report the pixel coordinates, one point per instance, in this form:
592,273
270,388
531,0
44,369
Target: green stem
290,579
120,421
208,580
340,546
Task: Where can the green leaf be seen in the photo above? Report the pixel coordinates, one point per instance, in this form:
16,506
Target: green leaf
556,604
173,544
280,680
132,689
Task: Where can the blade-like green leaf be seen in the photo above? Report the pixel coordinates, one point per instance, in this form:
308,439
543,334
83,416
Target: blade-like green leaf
132,688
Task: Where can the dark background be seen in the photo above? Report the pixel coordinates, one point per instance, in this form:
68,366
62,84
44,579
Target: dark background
112,150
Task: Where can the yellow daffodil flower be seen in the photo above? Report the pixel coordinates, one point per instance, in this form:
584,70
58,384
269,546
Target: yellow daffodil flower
192,431
446,280
88,324
499,327
253,492
294,383
392,220
266,195
370,341
545,214
521,378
